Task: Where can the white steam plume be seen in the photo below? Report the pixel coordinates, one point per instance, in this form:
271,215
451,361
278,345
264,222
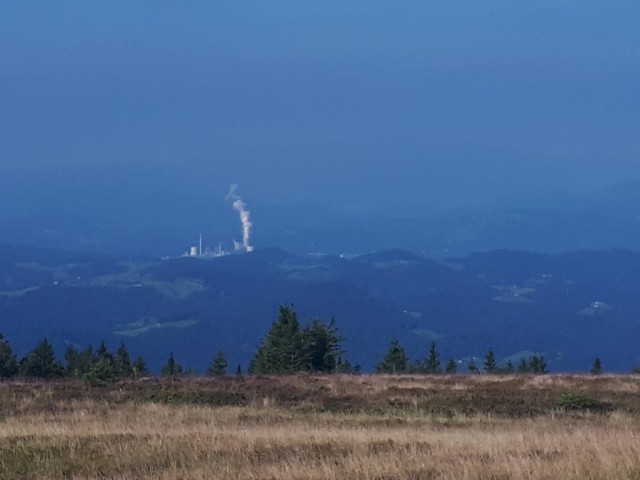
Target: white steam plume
245,217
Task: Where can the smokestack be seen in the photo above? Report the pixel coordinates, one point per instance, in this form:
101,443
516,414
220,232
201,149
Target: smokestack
200,244
245,218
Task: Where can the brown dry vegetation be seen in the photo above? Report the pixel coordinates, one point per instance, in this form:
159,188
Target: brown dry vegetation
329,427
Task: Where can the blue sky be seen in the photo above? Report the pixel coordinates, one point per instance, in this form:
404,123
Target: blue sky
352,103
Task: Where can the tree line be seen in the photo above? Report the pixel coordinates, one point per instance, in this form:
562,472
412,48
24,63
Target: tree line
288,347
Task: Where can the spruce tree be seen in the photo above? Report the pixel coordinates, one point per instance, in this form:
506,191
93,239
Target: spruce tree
8,360
490,364
509,368
139,368
79,363
596,368
41,362
103,367
122,361
395,360
472,367
281,350
523,366
538,364
451,367
171,368
432,365
218,367
321,346
344,366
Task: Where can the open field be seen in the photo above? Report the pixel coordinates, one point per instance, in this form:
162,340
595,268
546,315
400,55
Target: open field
338,427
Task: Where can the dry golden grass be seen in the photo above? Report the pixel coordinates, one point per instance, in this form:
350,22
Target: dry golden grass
387,431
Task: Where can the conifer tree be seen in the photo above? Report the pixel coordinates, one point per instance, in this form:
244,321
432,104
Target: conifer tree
239,370
218,367
538,364
451,367
490,364
103,368
509,368
79,363
432,364
596,368
8,360
281,350
472,367
523,366
139,368
395,360
344,366
41,362
122,361
321,346
171,368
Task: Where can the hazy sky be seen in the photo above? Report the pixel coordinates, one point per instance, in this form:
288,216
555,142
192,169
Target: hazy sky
347,102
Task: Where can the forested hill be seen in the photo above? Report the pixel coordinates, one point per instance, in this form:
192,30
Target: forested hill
569,307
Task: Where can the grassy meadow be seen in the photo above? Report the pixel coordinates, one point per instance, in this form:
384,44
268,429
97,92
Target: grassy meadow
324,427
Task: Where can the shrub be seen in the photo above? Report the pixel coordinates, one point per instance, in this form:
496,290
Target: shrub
580,401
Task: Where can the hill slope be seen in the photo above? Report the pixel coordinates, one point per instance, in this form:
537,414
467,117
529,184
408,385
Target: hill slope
570,307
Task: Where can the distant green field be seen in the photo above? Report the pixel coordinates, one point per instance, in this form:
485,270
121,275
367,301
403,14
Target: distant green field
141,327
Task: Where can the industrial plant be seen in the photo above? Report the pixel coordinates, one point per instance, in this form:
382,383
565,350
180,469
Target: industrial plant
238,247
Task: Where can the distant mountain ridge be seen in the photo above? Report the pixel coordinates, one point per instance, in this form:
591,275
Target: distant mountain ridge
569,306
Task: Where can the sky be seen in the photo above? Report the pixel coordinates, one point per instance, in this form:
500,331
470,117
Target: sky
354,104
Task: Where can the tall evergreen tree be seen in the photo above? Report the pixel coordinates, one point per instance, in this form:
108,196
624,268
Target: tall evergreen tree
171,368
281,350
472,367
218,367
321,346
432,364
122,361
395,360
596,368
451,367
509,368
523,366
103,368
41,362
538,364
490,364
8,360
139,368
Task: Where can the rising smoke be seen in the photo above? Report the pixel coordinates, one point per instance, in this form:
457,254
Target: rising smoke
245,218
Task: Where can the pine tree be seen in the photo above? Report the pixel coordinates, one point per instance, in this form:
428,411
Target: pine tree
490,364
472,367
41,362
78,363
538,364
344,366
281,350
451,367
239,370
122,362
8,360
596,368
432,364
523,366
139,368
218,367
103,368
509,368
171,368
395,360
321,346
